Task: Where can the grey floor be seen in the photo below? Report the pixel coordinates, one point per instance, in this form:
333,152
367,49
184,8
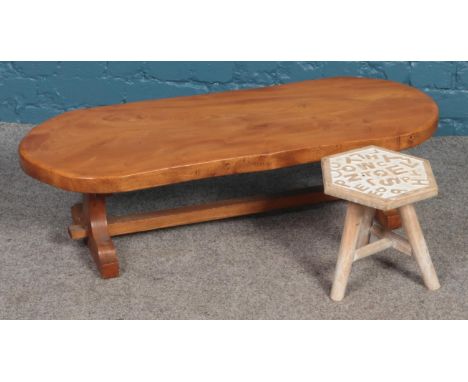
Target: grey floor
273,266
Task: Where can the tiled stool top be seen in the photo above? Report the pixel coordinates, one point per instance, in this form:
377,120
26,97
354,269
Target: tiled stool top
378,178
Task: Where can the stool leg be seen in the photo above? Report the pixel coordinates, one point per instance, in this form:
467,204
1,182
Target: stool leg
418,244
364,232
353,222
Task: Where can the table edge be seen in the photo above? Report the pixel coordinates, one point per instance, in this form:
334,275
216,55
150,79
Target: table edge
223,167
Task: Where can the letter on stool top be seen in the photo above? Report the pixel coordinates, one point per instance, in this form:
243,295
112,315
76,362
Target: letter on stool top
378,178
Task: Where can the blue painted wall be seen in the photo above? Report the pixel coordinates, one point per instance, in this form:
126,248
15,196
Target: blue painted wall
31,92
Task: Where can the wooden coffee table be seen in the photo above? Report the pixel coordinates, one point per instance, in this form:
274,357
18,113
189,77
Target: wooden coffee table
139,145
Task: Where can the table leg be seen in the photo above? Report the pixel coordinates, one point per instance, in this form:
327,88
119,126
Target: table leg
390,219
90,220
94,218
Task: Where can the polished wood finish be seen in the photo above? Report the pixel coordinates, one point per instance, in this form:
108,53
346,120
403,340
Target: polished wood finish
146,144
99,242
206,212
389,219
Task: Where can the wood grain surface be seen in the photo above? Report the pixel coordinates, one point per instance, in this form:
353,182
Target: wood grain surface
122,225
151,143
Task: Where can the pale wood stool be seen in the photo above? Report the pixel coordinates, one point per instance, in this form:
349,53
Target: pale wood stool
373,178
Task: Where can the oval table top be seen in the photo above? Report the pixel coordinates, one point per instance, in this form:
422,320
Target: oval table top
151,143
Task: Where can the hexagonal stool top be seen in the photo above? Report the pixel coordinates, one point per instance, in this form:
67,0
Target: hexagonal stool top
378,178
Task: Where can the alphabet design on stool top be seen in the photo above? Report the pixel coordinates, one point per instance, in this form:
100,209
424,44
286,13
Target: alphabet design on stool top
378,174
